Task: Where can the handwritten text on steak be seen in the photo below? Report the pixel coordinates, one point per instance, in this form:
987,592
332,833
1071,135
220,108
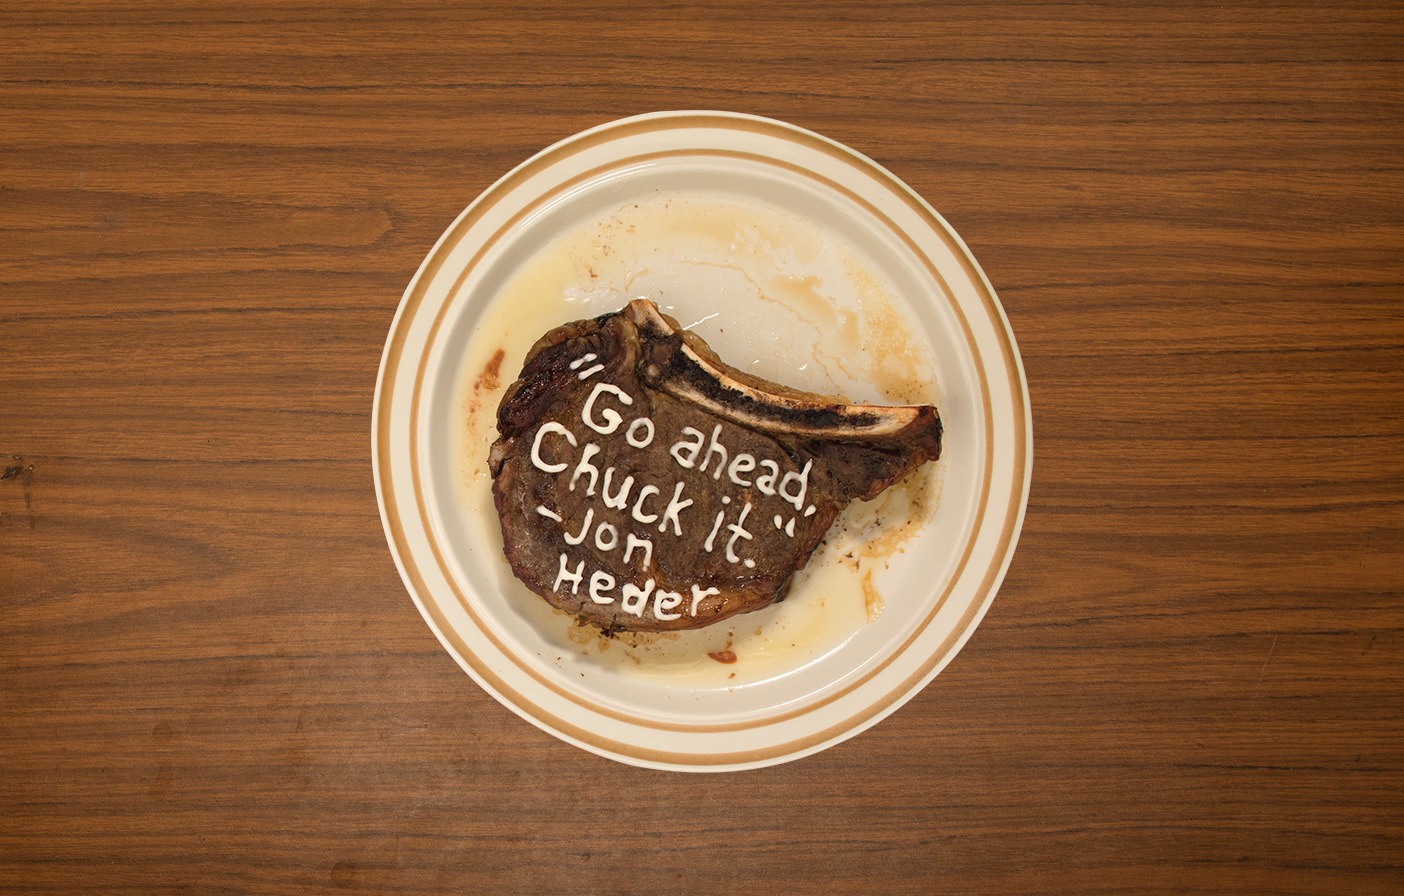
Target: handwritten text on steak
553,450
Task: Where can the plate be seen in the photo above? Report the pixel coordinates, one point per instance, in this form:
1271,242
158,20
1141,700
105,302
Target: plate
796,258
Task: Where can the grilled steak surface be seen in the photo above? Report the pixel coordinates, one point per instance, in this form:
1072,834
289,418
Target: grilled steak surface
643,484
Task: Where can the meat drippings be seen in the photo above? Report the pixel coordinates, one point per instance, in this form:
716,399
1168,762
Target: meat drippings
734,252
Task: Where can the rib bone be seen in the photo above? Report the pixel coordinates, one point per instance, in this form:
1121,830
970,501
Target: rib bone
696,376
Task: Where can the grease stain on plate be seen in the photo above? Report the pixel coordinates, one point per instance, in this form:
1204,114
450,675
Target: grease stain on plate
773,295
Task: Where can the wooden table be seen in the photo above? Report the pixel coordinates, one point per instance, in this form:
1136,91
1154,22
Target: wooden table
212,679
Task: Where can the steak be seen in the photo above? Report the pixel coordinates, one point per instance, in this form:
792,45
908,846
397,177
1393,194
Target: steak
643,484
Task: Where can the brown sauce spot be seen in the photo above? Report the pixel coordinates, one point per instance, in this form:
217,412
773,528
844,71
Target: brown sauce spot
490,378
726,657
872,601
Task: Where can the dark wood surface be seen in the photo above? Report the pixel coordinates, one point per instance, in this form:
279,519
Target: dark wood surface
213,681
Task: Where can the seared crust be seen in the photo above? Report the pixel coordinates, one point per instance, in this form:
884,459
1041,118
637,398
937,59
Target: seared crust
643,484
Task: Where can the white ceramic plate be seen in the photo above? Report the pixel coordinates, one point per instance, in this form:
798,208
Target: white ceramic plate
798,244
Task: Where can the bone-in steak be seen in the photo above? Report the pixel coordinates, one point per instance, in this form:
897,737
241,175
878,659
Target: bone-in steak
643,484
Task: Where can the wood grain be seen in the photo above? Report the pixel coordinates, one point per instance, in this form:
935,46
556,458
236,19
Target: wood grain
213,681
